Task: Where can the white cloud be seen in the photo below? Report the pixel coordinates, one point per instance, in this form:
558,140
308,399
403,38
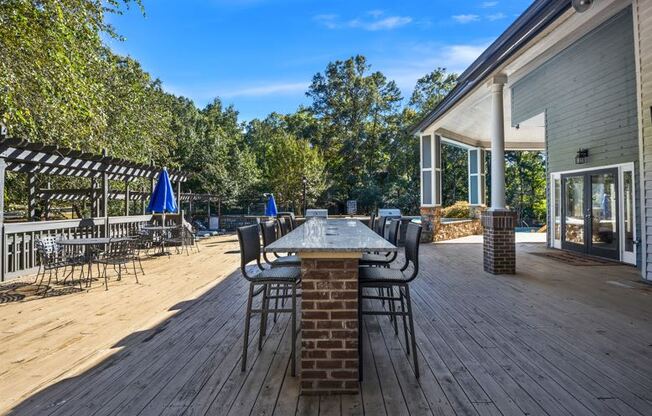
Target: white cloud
488,4
455,58
388,23
266,89
377,21
466,18
496,16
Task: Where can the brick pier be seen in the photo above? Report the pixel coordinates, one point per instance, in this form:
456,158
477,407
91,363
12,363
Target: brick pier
499,241
329,324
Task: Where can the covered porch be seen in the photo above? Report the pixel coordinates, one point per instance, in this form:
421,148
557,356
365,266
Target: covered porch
556,339
561,81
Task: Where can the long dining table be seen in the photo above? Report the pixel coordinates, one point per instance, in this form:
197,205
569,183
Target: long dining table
330,250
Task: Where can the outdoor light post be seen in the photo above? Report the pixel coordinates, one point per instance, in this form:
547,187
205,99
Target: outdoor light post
305,183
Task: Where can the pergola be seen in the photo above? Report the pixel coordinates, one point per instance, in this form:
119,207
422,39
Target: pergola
32,159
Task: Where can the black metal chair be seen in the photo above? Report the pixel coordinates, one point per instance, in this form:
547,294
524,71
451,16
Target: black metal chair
179,238
51,258
394,280
383,259
119,254
268,230
379,226
283,224
262,283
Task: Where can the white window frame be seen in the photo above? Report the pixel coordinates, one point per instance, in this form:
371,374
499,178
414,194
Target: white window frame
480,174
429,170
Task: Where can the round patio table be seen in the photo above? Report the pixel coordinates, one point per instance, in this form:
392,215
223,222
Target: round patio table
160,229
89,243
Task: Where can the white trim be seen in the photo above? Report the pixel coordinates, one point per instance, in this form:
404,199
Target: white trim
625,257
430,170
556,242
641,160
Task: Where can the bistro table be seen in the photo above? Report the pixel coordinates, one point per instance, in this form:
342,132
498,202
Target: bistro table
329,250
159,231
90,245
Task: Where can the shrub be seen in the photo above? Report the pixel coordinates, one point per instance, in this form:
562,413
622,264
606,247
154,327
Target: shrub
460,209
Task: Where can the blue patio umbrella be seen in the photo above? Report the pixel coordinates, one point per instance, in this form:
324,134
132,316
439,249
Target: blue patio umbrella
270,208
162,199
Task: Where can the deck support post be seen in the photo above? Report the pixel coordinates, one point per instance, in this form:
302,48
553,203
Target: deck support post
499,246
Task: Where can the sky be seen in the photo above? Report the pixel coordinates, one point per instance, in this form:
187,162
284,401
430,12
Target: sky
261,55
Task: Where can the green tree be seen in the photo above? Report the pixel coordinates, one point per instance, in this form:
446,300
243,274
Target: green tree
358,111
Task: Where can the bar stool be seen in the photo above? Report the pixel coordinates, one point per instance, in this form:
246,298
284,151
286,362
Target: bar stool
386,278
262,283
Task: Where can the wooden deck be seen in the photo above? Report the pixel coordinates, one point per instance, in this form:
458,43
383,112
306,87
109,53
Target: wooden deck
553,340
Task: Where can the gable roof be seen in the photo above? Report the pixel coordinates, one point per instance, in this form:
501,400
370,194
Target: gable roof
529,24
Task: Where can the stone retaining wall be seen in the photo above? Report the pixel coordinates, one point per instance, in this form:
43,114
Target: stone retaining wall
451,230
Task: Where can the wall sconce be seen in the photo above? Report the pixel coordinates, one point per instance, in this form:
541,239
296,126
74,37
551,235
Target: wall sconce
582,156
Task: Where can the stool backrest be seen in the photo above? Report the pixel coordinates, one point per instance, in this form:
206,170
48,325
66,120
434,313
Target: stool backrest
249,239
283,225
380,226
412,242
392,233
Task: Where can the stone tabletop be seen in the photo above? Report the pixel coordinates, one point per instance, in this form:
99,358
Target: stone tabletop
331,235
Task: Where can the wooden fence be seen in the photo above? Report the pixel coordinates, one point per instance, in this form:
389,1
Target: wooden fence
18,240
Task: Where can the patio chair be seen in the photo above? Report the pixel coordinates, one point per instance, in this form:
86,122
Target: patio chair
262,283
379,226
119,254
268,230
387,258
51,257
394,280
283,225
372,221
179,239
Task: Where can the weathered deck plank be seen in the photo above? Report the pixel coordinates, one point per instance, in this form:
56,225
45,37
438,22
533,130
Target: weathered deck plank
552,340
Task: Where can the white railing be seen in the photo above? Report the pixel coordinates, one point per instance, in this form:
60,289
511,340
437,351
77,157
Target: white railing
18,240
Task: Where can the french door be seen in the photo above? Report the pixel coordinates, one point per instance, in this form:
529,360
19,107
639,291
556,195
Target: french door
590,212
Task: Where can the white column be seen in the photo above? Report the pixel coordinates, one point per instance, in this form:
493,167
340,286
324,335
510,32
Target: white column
497,143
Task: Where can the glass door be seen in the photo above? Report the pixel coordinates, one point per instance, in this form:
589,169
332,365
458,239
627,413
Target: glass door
604,211
573,215
590,217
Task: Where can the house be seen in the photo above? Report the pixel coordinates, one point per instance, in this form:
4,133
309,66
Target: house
572,78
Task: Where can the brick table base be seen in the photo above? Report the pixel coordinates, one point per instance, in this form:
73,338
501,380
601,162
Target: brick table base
329,323
499,245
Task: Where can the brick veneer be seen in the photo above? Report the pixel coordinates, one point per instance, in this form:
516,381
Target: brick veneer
329,331
499,242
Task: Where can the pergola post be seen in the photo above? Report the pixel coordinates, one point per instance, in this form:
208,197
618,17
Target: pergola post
179,196
3,256
127,197
105,199
31,196
46,202
143,207
498,222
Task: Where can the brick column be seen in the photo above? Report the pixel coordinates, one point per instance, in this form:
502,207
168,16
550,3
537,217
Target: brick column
329,324
499,241
430,222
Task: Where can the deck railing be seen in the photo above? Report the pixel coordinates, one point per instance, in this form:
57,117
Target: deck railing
18,240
